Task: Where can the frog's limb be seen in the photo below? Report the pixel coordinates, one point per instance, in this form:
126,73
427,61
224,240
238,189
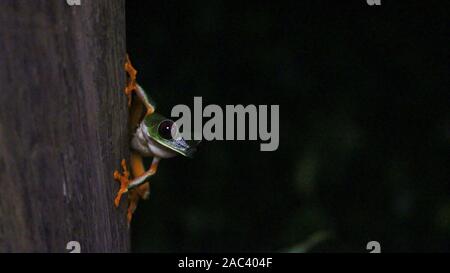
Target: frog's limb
143,178
136,115
142,95
142,191
133,199
132,85
138,187
137,168
124,180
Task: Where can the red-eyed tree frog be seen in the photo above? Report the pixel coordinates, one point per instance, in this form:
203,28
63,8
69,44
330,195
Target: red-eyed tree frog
152,136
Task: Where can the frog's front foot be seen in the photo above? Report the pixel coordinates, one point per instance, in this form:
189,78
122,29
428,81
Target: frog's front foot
124,180
131,85
133,195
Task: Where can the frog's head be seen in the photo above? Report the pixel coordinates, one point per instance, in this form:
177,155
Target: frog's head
164,132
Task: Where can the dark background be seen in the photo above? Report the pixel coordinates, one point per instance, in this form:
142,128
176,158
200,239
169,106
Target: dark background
364,125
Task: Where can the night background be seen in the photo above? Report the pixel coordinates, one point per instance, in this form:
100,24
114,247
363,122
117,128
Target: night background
364,125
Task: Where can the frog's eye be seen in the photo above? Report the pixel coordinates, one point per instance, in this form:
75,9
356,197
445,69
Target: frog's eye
167,129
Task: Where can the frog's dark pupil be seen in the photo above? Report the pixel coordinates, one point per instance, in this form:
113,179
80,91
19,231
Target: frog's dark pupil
165,129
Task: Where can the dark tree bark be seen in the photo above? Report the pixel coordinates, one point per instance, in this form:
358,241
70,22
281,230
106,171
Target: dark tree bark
63,125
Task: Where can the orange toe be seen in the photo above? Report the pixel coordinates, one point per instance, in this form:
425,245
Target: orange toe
124,180
131,85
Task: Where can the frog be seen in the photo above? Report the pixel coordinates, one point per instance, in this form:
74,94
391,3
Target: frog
152,135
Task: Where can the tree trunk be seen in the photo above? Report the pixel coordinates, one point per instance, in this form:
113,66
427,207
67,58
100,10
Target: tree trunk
63,125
